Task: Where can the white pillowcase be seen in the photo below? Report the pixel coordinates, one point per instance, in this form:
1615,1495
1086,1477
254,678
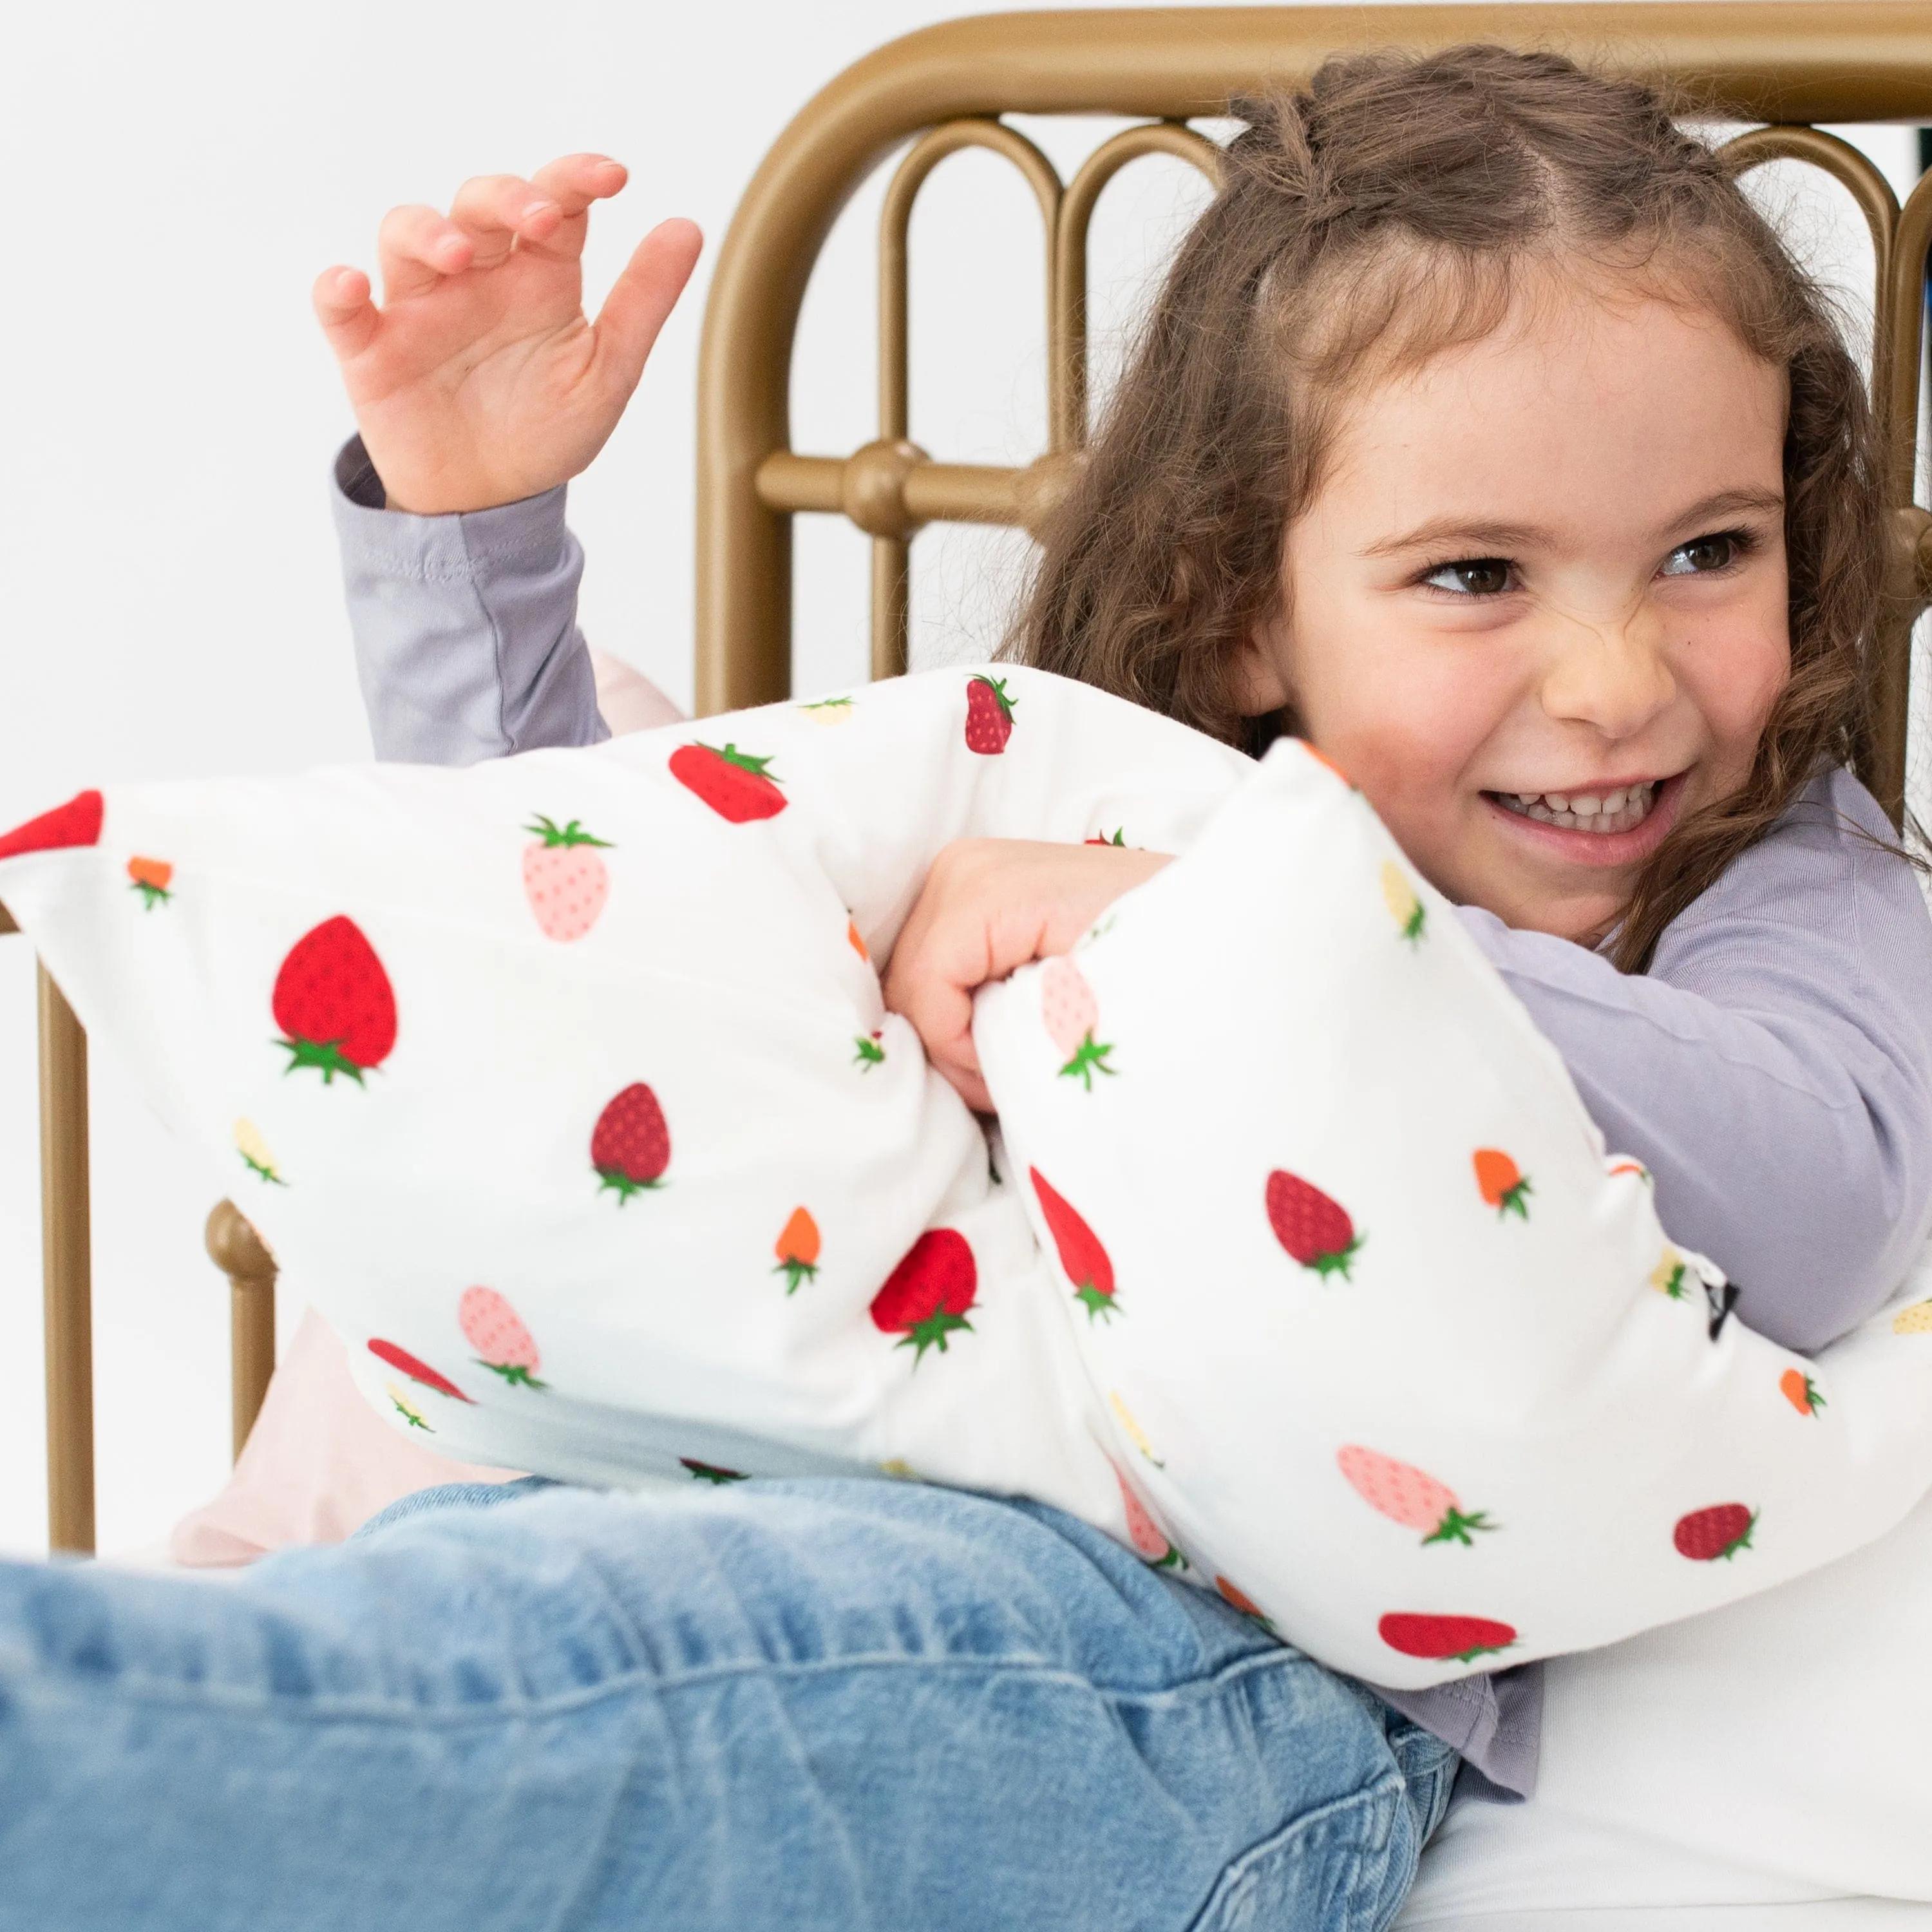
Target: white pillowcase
1309,1275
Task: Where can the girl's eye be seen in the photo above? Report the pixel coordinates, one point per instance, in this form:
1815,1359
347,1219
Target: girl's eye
1472,576
1702,555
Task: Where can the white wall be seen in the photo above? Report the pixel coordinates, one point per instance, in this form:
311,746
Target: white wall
180,174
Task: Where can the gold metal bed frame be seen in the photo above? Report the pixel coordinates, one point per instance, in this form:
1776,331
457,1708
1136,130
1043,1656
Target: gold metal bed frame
1784,63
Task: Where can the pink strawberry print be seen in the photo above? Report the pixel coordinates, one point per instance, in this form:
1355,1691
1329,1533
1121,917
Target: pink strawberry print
503,1345
75,823
1405,1495
415,1368
1707,1535
334,1003
925,1298
1315,1230
871,1050
1438,1639
564,879
1144,1532
1070,1013
1082,1259
989,715
630,1146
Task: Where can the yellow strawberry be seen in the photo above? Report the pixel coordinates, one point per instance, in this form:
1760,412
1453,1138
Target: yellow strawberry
1405,908
406,1409
1667,1277
829,710
1135,1433
1916,1320
252,1149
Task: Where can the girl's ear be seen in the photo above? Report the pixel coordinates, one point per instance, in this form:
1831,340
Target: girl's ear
1258,680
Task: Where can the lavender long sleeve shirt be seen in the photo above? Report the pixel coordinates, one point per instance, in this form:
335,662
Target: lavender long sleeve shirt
1773,1068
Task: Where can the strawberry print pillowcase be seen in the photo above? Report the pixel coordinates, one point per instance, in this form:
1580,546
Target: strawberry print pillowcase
562,1086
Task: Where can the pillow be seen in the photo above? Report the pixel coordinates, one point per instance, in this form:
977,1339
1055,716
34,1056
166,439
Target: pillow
1772,1749
567,1095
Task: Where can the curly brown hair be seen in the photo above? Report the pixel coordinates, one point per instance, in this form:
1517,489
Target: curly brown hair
1389,213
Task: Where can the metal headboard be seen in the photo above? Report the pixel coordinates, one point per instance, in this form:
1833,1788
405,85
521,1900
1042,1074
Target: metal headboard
1784,62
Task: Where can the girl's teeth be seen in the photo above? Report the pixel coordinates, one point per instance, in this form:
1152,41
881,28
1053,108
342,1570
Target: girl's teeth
1617,811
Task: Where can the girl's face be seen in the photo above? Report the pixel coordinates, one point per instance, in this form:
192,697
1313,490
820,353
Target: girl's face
1537,608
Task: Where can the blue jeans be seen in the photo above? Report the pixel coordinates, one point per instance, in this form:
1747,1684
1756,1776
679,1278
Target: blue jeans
807,1706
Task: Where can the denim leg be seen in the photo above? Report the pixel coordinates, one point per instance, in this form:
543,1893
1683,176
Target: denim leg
816,1706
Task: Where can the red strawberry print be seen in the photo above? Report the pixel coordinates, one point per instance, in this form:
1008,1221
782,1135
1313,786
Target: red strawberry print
75,823
334,1002
1315,1230
1082,1258
564,879
734,784
926,1296
630,1146
1145,1533
1721,1531
1405,1494
415,1368
1464,1638
494,1329
1119,837
989,715
710,1472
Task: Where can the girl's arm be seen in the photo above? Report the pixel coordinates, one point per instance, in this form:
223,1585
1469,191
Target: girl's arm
465,626
1774,1068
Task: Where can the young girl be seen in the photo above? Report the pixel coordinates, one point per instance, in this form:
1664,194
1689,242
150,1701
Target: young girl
1484,436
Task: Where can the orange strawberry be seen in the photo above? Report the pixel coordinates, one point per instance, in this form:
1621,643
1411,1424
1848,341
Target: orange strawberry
1242,1602
492,1328
1405,1495
797,1249
857,943
151,878
1069,1013
1322,758
564,879
1801,1391
1502,1183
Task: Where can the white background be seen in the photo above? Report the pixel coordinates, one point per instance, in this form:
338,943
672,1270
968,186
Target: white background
171,604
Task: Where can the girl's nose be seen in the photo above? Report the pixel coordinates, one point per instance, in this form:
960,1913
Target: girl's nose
1608,672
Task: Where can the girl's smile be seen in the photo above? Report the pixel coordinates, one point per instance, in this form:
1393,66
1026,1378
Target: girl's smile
1537,607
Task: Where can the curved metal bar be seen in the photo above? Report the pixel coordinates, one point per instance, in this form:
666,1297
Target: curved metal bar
1903,302
1748,60
1067,334
895,219
241,1255
1867,186
892,550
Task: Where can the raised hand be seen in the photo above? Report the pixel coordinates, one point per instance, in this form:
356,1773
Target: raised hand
480,380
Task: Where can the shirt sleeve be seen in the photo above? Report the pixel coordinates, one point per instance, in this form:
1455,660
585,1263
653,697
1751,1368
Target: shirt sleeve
1773,1068
465,627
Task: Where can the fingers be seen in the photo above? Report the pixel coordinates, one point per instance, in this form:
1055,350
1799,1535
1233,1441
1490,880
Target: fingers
342,305
496,212
644,294
576,180
416,248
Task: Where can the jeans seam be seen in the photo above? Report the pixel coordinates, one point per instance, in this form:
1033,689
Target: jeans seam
288,1708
